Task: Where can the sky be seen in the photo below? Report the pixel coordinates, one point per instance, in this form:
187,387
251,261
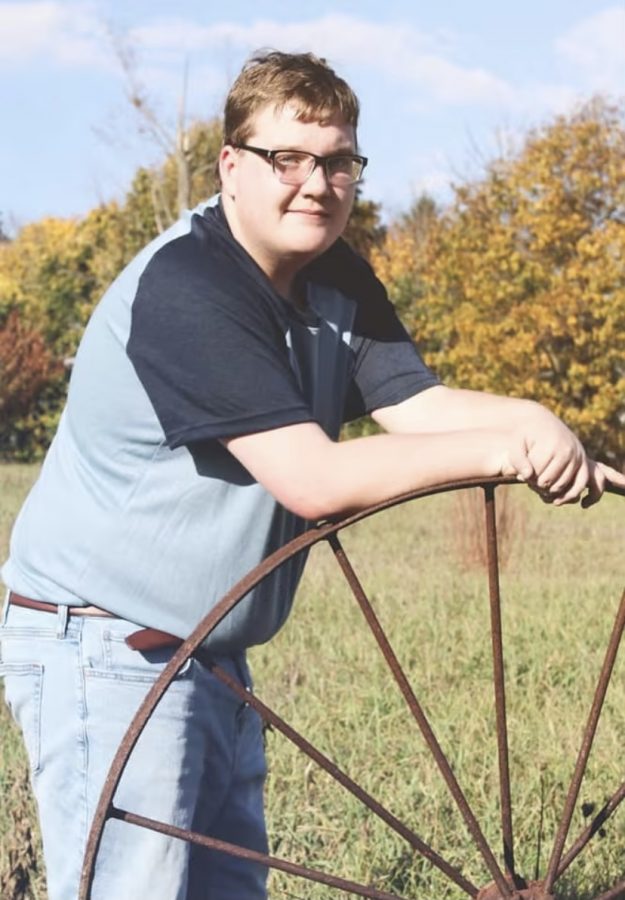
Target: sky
444,86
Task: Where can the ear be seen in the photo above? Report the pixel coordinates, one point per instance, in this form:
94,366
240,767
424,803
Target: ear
228,162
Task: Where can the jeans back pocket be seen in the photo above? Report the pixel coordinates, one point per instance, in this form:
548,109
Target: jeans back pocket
23,683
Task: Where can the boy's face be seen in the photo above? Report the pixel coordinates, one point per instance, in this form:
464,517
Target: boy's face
285,226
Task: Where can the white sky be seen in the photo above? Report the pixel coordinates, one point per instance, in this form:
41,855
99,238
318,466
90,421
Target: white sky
442,85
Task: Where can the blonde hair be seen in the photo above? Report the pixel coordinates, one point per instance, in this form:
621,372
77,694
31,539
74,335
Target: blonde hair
273,78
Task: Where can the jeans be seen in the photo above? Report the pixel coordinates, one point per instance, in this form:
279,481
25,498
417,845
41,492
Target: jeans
73,687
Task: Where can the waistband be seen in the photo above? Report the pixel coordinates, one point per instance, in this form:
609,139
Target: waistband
42,606
143,639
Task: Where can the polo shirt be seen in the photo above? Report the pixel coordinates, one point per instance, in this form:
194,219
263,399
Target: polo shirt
139,509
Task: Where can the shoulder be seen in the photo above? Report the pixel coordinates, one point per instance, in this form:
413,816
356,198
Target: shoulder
202,250
204,271
345,270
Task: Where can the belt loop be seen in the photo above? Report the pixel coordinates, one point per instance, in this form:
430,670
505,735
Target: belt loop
61,621
5,608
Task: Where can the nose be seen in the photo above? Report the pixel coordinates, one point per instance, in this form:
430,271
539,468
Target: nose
317,182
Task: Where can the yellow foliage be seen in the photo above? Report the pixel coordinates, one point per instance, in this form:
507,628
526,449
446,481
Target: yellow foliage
520,285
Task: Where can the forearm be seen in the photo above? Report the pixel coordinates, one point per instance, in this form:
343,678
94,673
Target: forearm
316,477
372,469
442,409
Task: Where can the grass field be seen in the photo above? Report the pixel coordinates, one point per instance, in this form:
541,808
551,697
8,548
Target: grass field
561,586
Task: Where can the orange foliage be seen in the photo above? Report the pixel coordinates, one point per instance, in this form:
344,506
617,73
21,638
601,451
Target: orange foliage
26,365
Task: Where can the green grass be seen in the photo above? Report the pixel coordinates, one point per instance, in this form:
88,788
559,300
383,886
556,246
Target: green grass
325,675
21,876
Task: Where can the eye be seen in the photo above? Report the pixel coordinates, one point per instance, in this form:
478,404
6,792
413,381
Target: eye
344,170
342,164
291,159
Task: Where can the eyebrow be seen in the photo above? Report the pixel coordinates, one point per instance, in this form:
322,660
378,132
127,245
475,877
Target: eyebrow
341,151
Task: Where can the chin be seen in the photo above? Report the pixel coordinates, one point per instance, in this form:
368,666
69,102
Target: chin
315,241
307,252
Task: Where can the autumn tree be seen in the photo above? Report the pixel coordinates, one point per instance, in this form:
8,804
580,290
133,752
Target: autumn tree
364,230
27,368
44,281
152,202
520,287
46,275
398,259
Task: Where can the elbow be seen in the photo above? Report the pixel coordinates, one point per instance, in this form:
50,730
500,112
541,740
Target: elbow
311,502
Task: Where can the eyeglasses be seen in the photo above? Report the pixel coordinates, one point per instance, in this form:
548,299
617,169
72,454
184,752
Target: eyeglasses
296,166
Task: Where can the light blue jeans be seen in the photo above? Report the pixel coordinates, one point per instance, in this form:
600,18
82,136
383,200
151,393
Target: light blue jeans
73,687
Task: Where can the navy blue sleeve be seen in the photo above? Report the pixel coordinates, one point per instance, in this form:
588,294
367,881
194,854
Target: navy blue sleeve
386,372
207,344
388,367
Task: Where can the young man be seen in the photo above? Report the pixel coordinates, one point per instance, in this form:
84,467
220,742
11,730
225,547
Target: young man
200,434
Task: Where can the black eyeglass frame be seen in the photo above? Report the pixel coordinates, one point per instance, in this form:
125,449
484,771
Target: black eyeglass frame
270,156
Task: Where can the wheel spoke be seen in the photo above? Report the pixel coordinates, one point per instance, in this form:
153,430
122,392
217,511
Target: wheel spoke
420,717
272,862
392,821
587,740
615,893
499,682
589,832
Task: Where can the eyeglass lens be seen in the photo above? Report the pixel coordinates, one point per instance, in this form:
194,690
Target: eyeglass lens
295,168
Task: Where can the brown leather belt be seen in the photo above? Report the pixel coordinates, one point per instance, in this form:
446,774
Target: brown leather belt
18,600
143,639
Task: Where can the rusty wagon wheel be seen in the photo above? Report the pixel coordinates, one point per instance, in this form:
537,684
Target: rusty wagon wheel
505,881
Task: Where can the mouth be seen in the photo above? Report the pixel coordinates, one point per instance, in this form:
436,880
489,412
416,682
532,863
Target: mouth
312,214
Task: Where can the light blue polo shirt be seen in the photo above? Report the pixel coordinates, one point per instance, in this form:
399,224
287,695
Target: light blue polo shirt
139,509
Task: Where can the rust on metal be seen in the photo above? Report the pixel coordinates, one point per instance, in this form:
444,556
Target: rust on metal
503,886
499,684
587,740
533,890
419,715
591,830
615,893
366,799
272,862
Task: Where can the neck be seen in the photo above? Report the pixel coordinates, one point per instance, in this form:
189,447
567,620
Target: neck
281,272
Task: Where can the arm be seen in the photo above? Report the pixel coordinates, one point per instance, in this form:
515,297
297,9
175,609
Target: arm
316,477
441,408
560,468
438,436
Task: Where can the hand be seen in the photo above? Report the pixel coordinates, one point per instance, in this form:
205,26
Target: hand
600,474
550,458
542,451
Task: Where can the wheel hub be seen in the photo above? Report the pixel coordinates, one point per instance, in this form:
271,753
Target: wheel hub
533,890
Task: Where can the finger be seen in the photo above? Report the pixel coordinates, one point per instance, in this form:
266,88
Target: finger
560,470
519,464
596,484
566,480
613,475
574,490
